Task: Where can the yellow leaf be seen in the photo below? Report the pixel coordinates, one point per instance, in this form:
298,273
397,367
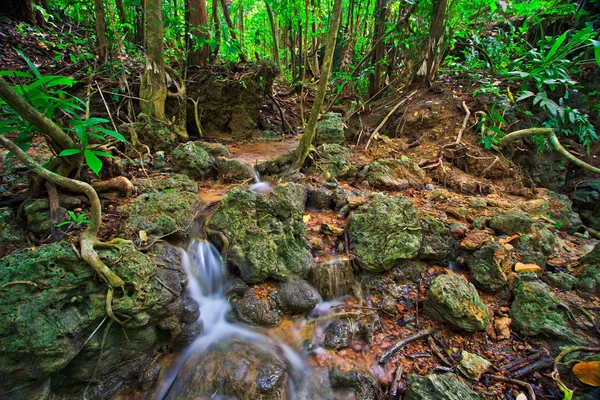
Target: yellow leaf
510,95
588,372
520,267
143,236
306,218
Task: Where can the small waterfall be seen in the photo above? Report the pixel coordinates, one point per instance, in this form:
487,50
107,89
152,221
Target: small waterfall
259,186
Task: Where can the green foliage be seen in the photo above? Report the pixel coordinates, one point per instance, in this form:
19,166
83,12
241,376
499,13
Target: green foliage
47,95
489,128
75,220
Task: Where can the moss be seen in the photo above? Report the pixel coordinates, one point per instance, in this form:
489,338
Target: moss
333,160
384,232
166,182
156,134
392,174
10,231
330,130
193,160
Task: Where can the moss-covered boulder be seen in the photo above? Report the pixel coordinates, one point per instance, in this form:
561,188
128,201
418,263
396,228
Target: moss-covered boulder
511,223
455,301
192,159
437,240
10,230
232,369
333,278
535,311
489,267
589,280
330,130
231,171
166,182
392,174
333,161
438,386
163,213
158,135
52,302
560,209
384,232
262,238
562,280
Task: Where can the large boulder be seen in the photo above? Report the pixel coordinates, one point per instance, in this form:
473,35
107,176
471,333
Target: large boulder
511,223
159,135
489,267
166,182
393,174
193,160
163,213
437,240
52,304
440,387
455,301
384,232
231,369
330,130
262,238
333,161
535,311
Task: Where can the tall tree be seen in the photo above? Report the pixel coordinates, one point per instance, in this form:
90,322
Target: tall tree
101,42
232,30
198,17
275,35
153,89
435,46
307,137
378,47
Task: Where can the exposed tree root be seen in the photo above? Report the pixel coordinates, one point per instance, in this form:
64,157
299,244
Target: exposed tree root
89,238
552,139
119,184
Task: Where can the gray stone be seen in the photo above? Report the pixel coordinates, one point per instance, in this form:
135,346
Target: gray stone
511,223
10,230
193,160
330,130
255,310
439,387
297,296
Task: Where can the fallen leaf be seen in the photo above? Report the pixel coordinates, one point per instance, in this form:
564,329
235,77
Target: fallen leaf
306,218
143,236
521,396
520,267
588,372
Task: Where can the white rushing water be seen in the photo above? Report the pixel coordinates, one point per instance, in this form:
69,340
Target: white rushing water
259,186
204,266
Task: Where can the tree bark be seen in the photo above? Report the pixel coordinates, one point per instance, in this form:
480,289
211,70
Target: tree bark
101,43
435,46
153,89
199,29
275,36
379,47
232,31
307,137
215,15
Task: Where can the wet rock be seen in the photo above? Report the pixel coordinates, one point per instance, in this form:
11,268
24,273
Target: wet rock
47,328
297,296
288,194
383,232
331,230
160,183
330,130
235,288
10,231
489,267
511,223
255,309
455,301
535,311
233,171
333,161
261,238
323,199
337,335
362,383
438,386
194,161
233,369
589,279
473,366
186,333
437,240
333,278
562,280
475,239
392,174
163,213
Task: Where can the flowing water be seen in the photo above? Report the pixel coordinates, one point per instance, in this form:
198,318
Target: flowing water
259,186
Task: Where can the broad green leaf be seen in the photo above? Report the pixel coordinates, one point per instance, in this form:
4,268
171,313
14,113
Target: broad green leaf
101,153
69,152
32,67
596,50
110,133
92,161
17,74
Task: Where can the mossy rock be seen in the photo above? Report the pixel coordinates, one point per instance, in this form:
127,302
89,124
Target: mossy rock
330,130
560,209
437,240
234,171
439,387
563,280
262,238
392,174
384,232
163,213
489,267
455,301
192,159
511,223
589,280
157,135
333,161
170,182
10,231
55,302
535,311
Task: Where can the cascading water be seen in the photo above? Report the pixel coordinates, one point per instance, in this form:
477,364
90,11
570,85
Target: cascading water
203,264
259,186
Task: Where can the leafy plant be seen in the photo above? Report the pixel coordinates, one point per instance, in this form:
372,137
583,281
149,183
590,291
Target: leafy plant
75,219
489,127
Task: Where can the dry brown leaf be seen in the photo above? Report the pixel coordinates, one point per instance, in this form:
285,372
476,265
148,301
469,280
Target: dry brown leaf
520,267
588,372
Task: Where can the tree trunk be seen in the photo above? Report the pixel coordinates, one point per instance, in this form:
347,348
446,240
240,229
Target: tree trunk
153,89
315,43
379,47
275,36
308,135
435,46
198,55
232,31
101,43
122,17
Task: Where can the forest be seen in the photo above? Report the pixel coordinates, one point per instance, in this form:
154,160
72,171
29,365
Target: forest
298,200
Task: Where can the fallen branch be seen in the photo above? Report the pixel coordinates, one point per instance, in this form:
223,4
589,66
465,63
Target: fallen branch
385,357
524,385
552,139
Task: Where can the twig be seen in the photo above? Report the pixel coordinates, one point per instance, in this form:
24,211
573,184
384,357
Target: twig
395,388
106,106
434,348
18,283
166,287
524,385
385,357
